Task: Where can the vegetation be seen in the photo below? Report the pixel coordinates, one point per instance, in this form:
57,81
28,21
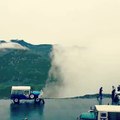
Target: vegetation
24,67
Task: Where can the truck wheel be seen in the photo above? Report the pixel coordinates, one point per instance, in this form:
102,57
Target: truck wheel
16,100
37,100
31,96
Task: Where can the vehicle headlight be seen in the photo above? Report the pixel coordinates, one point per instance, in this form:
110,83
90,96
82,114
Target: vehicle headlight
39,96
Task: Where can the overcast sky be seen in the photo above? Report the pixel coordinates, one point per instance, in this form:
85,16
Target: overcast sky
60,21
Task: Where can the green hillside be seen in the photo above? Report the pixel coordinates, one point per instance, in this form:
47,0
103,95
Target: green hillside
24,67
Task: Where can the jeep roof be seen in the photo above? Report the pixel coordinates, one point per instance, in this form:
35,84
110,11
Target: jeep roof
21,88
107,108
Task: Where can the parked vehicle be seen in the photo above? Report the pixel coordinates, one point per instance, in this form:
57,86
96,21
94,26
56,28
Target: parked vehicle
102,112
25,93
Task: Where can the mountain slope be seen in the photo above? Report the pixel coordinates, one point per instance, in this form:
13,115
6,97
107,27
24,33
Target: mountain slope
24,66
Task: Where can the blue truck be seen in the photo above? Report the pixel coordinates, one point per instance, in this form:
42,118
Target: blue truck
25,93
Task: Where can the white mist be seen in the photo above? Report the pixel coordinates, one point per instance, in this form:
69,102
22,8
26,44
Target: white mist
83,69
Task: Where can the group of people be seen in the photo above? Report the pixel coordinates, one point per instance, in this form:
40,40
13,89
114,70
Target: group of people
113,93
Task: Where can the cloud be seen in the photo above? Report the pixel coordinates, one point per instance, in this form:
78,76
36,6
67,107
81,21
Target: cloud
10,45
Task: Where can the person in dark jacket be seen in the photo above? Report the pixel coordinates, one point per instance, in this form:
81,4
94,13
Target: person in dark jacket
100,93
113,93
118,88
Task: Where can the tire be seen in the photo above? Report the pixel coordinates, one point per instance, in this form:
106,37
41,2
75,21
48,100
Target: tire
32,96
16,101
37,100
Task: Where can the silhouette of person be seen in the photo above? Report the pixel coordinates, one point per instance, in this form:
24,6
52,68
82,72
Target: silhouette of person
118,88
100,93
113,94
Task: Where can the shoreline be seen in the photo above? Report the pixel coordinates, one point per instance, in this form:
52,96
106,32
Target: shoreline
88,96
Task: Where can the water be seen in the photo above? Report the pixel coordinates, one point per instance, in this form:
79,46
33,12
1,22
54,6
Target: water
54,109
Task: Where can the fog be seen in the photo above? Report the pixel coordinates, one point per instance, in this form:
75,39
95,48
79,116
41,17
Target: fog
83,69
10,45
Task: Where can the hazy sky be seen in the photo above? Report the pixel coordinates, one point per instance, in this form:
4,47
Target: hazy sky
60,21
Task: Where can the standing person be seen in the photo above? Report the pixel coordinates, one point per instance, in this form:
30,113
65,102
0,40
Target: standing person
100,93
113,93
118,88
